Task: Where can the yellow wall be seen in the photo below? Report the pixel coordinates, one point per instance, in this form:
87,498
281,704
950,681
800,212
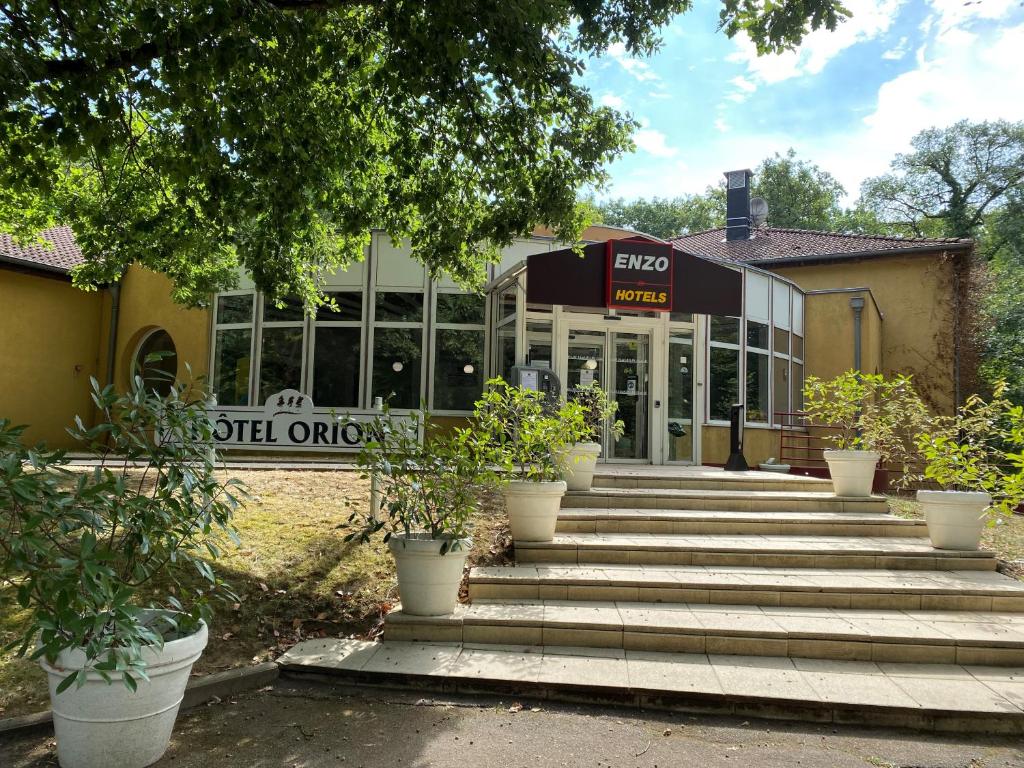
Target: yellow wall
758,445
146,304
49,347
915,295
828,342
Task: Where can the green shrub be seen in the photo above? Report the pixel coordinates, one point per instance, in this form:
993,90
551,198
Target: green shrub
586,413
85,552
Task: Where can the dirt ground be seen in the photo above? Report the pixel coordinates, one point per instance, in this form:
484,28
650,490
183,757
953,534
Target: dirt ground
308,725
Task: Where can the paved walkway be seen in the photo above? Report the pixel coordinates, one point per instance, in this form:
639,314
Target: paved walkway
305,725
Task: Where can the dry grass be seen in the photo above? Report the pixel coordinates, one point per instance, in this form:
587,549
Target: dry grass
295,576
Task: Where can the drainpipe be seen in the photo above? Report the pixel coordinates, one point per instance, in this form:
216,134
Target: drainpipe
857,304
115,312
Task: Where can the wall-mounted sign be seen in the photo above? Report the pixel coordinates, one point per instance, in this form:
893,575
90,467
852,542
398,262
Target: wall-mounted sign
287,421
639,275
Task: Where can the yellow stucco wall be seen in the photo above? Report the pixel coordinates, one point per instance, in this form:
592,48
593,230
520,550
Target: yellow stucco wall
758,444
146,304
49,347
915,295
828,345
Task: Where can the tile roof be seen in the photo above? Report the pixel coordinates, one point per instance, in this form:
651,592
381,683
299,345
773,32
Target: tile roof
60,256
774,244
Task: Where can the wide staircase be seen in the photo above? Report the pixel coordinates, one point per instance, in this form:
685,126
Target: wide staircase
752,593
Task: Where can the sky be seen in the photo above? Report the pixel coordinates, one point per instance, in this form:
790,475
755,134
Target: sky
847,100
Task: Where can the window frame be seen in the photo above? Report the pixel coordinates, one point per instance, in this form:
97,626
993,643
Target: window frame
436,325
249,326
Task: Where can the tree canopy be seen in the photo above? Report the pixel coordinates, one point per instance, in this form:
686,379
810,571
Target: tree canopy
273,134
950,180
800,195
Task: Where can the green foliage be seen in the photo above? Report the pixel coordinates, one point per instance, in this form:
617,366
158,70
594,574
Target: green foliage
587,412
1002,340
979,448
868,412
525,437
800,195
196,138
950,180
433,485
82,551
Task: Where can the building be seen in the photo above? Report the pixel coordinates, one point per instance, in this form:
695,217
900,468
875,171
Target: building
745,313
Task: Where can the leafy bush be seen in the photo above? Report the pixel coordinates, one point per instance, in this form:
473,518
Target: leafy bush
979,448
85,552
868,412
586,413
433,485
524,437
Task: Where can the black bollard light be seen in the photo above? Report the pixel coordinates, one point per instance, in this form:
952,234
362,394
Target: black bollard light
736,462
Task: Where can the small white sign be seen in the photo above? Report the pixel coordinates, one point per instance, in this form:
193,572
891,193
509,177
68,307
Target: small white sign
631,387
530,379
586,377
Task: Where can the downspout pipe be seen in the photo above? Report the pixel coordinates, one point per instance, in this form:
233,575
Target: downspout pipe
115,313
857,305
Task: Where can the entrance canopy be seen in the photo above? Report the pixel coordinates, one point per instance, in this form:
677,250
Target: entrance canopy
635,274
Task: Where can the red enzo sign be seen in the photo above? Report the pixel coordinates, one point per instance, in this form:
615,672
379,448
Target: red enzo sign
639,275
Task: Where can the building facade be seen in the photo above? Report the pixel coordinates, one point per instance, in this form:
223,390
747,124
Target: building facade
751,311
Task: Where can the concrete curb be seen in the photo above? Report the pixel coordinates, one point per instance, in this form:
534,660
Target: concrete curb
199,691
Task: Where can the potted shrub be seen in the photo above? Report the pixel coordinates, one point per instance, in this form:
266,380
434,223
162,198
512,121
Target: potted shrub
526,440
975,456
870,419
112,564
427,492
584,417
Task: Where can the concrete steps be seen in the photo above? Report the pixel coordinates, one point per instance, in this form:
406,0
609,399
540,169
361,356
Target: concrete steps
624,520
724,585
706,480
893,553
722,500
920,637
944,698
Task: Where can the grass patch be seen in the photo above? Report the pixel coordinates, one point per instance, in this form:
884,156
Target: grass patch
294,574
1005,536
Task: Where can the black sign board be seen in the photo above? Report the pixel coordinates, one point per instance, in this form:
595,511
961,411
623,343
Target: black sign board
639,275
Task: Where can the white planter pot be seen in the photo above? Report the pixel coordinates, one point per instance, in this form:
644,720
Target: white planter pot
105,725
533,508
955,518
578,463
853,472
428,581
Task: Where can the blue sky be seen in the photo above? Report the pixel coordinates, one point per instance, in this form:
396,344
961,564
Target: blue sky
847,100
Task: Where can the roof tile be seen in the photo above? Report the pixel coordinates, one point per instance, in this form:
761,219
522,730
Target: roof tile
778,244
61,255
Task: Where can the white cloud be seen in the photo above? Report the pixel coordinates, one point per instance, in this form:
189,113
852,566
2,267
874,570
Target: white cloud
744,84
898,51
654,143
660,95
955,13
870,18
611,100
721,126
638,68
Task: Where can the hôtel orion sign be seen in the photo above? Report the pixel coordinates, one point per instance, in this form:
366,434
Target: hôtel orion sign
287,421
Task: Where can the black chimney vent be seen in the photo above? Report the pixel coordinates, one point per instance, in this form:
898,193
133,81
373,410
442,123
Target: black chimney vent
737,205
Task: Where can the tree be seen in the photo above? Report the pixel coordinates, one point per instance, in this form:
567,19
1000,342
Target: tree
664,217
950,180
1002,334
800,195
195,138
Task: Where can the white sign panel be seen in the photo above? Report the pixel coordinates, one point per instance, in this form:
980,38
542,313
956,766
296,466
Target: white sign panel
287,421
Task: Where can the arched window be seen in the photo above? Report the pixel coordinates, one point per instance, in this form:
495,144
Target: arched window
157,361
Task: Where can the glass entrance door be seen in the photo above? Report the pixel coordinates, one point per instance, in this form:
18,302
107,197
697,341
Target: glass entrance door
680,396
621,364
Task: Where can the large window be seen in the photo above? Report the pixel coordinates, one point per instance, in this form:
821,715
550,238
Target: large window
337,350
156,361
282,347
233,335
459,335
723,366
503,341
397,352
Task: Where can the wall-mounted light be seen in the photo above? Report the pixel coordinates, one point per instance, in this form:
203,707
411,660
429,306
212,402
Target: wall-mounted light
468,368
591,364
397,366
